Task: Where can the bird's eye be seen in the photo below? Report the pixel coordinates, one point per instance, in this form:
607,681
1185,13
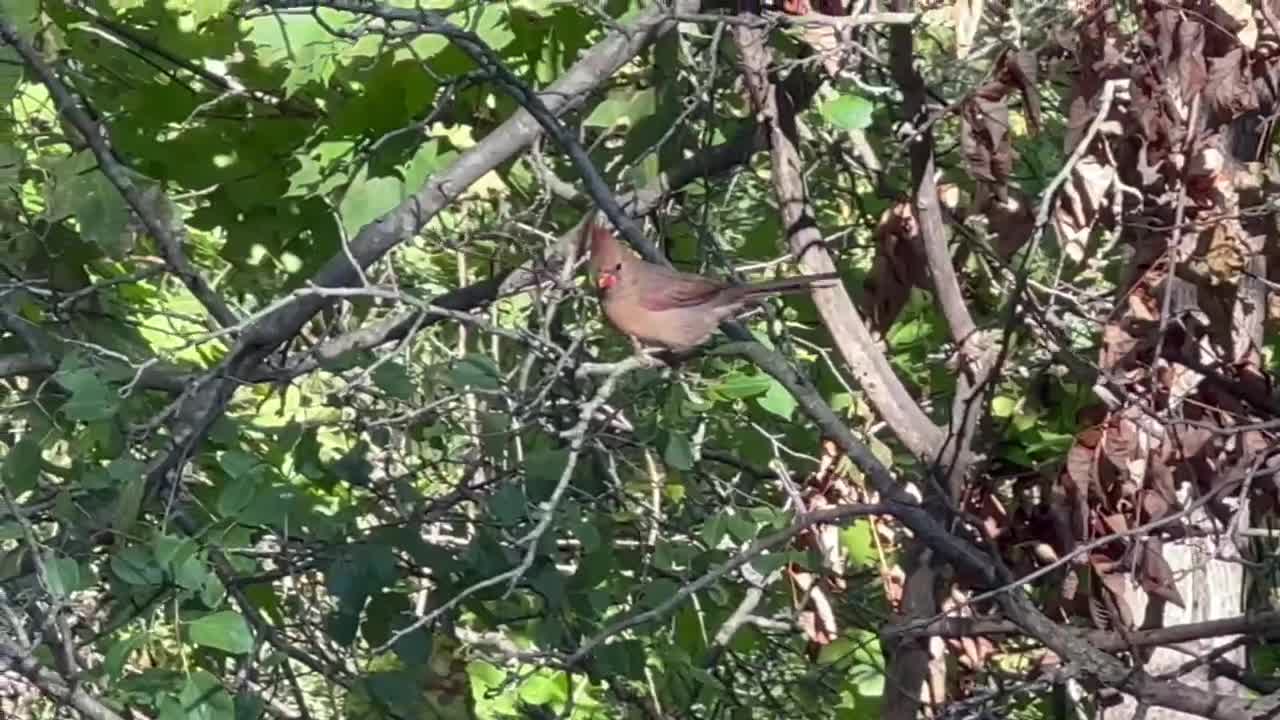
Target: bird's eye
617,267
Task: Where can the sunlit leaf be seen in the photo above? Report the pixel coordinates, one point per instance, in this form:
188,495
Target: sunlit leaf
224,630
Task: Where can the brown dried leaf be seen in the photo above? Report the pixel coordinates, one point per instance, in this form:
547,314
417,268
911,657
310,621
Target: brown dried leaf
1236,16
826,616
1018,70
1112,584
1226,256
898,267
1189,440
1118,344
1099,615
1079,204
1153,506
1115,524
1230,92
825,40
984,139
1011,220
1155,575
1120,441
1081,470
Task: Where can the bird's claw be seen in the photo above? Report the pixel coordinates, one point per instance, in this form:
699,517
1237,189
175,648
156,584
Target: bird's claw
648,359
646,355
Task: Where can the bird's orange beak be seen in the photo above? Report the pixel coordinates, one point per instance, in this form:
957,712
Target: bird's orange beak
606,280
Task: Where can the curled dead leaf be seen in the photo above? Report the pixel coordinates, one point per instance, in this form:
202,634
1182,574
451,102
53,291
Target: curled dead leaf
1155,575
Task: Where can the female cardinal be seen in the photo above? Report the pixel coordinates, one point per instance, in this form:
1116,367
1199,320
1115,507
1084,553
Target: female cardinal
659,305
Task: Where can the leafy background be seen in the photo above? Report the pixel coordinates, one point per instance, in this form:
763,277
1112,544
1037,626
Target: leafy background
352,486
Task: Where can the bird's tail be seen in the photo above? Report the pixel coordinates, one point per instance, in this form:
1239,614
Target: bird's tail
800,283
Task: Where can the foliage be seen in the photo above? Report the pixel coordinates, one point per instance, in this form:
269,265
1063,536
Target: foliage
419,504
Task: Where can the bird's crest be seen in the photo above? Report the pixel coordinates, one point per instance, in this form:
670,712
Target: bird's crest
605,252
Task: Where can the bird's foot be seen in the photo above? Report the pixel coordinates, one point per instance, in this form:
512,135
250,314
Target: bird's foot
647,355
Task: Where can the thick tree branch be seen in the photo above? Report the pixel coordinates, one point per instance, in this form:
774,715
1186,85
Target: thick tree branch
842,319
1261,624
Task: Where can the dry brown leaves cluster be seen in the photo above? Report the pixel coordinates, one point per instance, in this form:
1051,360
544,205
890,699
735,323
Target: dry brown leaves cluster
1170,169
827,487
1181,366
989,157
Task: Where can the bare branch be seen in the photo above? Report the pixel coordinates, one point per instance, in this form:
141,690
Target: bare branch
54,686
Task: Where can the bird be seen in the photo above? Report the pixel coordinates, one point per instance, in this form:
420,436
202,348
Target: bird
679,311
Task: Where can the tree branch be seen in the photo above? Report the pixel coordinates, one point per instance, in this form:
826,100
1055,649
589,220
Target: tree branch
54,686
841,318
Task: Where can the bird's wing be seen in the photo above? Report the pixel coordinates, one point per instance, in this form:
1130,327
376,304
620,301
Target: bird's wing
667,290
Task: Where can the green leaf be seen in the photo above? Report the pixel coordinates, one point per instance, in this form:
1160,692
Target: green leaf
714,529
848,112
629,105
22,14
766,564
740,527
543,470
679,452
475,371
102,214
225,630
130,474
113,663
238,464
399,690
212,592
624,658
868,680
859,543
91,398
906,333
414,648
134,565
542,688
202,698
737,386
10,157
1003,406
202,10
494,26
170,550
236,495
22,465
394,380
63,574
778,400
427,161
191,574
507,504
485,675
367,199
302,44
